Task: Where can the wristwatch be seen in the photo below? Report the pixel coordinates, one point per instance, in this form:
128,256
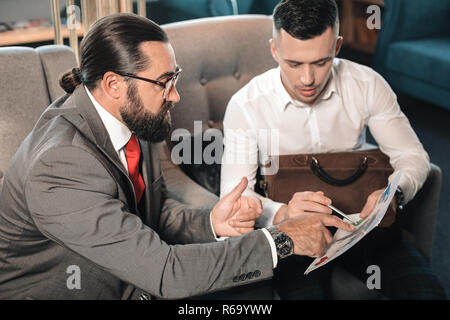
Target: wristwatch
400,199
283,244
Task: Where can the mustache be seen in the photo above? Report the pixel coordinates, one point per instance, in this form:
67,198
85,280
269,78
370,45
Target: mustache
167,106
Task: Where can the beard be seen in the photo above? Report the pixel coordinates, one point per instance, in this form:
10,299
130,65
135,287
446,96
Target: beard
145,124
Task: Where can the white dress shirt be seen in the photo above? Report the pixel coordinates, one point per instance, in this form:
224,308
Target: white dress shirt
263,120
120,134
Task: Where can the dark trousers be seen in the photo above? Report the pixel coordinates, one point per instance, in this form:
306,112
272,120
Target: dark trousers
404,272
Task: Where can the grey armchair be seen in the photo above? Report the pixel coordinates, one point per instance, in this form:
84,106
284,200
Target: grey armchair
28,83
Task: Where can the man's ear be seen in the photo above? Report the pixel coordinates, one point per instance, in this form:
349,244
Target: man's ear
273,50
112,84
339,42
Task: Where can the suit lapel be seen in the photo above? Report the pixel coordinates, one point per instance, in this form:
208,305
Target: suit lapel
95,126
151,173
147,176
79,110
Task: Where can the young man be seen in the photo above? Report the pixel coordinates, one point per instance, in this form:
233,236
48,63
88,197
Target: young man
317,103
84,213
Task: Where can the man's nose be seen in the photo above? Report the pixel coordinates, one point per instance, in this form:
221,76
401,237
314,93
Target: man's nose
173,96
307,75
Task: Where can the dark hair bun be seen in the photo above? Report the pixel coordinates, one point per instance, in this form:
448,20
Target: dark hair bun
70,80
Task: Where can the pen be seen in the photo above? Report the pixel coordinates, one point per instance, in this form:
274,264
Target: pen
341,213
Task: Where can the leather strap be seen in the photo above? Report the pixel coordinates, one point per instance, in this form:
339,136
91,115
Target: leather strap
322,175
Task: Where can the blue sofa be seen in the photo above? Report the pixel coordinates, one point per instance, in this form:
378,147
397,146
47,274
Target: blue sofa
413,49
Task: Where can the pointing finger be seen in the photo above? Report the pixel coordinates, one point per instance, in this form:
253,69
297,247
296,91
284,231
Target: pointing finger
332,221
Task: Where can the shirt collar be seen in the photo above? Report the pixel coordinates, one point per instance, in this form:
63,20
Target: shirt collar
117,131
331,87
286,98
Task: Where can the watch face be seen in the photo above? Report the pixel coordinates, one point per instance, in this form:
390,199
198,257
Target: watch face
284,245
282,239
285,251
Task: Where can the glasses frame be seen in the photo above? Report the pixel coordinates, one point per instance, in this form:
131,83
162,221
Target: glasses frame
173,79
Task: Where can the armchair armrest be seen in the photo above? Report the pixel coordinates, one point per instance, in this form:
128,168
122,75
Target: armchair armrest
419,218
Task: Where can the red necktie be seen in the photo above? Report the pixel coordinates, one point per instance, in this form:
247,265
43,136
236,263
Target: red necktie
133,153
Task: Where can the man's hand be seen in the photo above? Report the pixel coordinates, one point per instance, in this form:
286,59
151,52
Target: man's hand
309,233
372,200
234,214
302,202
370,203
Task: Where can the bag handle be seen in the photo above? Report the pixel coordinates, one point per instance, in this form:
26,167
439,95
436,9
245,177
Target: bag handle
319,172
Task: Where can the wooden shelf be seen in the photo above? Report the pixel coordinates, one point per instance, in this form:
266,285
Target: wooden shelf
31,35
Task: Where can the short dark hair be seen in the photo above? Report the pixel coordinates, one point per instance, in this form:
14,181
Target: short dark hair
305,19
112,44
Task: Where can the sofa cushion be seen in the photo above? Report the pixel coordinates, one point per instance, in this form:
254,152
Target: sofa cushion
218,56
424,59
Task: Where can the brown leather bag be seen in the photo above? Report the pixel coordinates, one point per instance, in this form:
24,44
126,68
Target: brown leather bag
347,178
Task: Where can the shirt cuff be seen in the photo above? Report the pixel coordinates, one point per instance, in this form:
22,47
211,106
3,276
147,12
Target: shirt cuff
214,232
272,247
404,184
270,208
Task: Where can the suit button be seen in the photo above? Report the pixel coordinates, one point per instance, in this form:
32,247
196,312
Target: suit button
249,275
257,273
242,277
236,279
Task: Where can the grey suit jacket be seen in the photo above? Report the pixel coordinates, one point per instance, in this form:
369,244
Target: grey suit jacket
67,202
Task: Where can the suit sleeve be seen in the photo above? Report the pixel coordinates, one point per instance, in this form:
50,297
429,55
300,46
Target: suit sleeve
181,224
73,201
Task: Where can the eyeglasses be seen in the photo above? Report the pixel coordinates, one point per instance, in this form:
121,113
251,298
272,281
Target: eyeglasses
168,85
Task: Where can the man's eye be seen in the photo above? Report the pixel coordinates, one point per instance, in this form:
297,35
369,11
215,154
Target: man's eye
321,64
294,65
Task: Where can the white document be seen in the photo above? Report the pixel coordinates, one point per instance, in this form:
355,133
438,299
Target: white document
344,240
